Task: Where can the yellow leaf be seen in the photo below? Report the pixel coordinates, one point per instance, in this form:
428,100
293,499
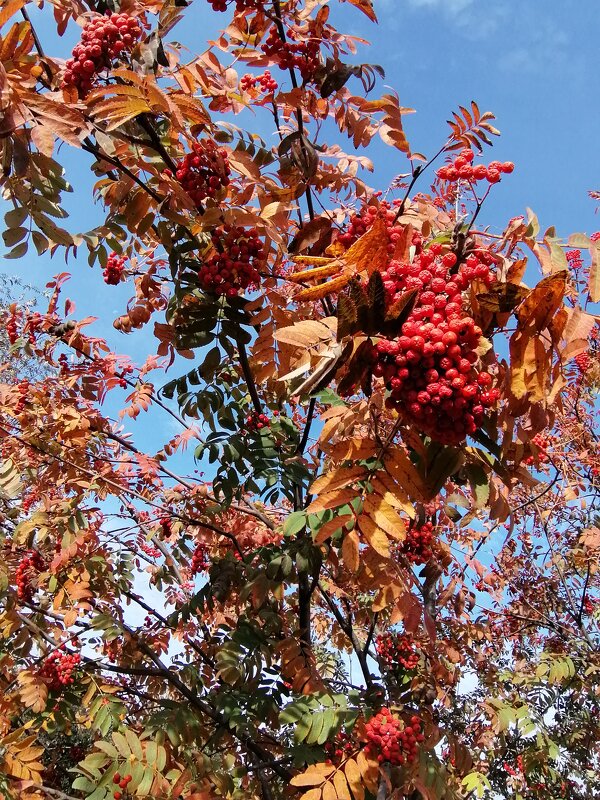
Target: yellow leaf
312,794
384,486
352,450
315,775
318,292
369,770
329,792
317,273
382,513
354,779
374,536
341,786
369,253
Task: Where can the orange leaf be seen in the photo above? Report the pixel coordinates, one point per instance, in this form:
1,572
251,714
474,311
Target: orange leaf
331,500
337,479
351,551
401,468
329,528
366,6
10,9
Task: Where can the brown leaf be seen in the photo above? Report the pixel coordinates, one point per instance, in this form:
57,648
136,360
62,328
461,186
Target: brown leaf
316,231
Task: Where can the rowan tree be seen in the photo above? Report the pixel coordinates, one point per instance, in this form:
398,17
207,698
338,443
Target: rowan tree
364,566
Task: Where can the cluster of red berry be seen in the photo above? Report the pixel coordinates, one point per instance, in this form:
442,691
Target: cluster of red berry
542,443
27,500
462,168
29,565
203,172
418,545
391,740
122,782
148,549
11,328
58,669
113,271
582,362
128,370
266,82
103,39
589,604
235,265
23,390
165,525
430,370
301,55
342,745
256,422
397,650
200,559
362,221
574,259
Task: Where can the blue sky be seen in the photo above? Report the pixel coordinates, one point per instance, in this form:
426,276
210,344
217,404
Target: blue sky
533,64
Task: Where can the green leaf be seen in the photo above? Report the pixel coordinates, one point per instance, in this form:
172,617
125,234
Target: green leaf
134,743
294,523
479,484
121,744
303,728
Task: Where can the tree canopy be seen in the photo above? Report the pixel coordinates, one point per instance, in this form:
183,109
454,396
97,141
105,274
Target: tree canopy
359,559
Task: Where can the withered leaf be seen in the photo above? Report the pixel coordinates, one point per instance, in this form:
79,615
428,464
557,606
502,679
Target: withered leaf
397,313
347,315
542,302
354,371
376,296
502,298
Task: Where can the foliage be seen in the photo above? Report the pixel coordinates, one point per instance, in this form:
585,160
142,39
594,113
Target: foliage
389,407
